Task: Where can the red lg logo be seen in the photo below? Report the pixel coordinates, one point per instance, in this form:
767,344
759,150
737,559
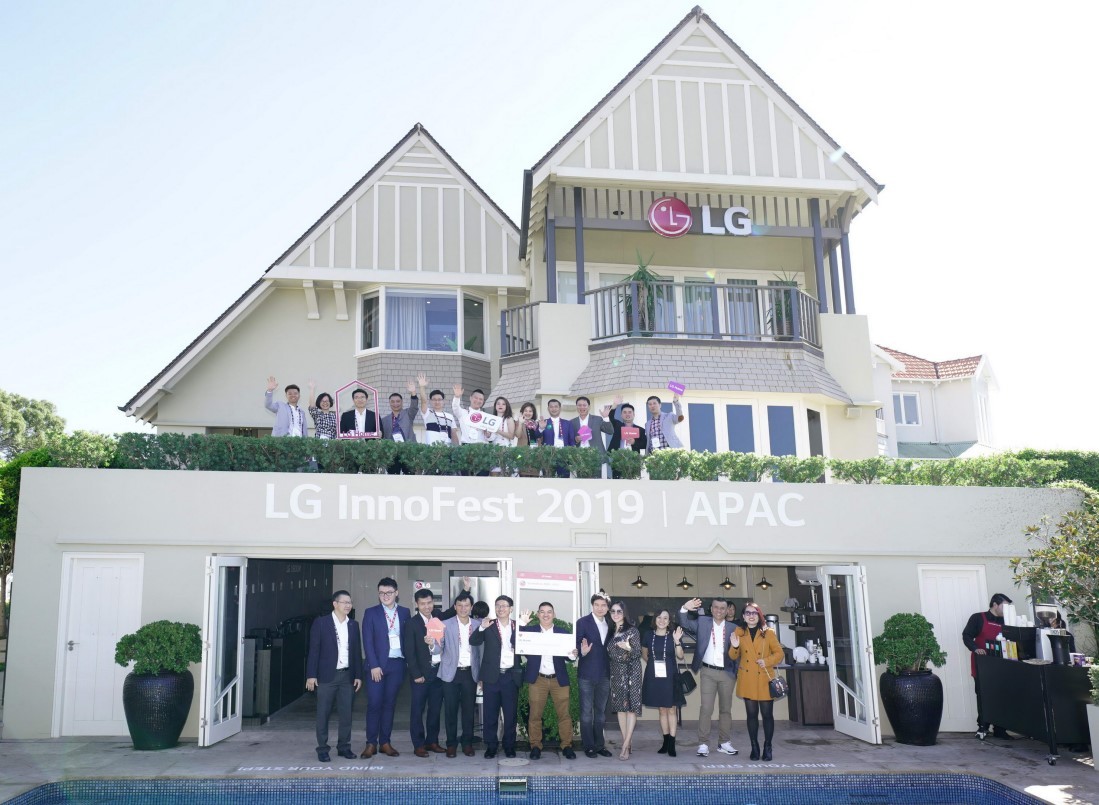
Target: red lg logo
670,217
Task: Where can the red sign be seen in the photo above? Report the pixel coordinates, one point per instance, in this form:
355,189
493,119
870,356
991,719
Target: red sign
670,217
630,432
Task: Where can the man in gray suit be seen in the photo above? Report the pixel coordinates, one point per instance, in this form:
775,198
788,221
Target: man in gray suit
289,418
716,670
460,669
397,424
598,426
660,427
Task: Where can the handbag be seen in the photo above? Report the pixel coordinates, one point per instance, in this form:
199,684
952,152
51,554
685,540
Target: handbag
777,686
685,683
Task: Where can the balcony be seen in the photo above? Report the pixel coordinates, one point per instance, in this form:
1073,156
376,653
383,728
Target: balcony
701,312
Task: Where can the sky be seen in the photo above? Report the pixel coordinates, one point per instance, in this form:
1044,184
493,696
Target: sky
156,157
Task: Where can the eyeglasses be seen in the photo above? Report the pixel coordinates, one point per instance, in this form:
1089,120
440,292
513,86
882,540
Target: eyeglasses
387,592
344,603
751,613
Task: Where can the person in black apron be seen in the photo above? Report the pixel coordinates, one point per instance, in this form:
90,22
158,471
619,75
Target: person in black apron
981,629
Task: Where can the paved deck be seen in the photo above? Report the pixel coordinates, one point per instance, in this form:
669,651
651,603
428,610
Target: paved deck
284,748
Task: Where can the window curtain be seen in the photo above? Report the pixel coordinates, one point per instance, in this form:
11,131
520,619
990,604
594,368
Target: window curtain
406,322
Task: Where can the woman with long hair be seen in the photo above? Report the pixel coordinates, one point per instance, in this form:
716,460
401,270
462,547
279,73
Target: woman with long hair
506,432
662,651
757,651
624,653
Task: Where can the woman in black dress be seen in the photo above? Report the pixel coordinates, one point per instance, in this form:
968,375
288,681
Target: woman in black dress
624,652
662,651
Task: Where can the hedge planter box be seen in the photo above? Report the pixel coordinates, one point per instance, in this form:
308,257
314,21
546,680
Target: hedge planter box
913,702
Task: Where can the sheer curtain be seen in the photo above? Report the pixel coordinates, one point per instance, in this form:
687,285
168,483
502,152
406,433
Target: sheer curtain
406,322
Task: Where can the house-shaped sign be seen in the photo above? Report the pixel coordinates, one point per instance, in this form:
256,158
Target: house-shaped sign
347,392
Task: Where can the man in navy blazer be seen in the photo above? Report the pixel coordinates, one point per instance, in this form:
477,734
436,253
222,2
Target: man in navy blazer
716,671
333,668
385,667
548,677
593,675
423,673
499,676
558,433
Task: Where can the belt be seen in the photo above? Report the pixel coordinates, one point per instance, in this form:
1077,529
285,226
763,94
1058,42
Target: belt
715,667
548,676
462,668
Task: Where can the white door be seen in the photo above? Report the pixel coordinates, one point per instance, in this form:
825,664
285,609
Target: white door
850,655
949,594
103,603
221,700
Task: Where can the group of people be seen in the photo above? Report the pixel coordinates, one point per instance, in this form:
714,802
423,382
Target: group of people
617,665
469,425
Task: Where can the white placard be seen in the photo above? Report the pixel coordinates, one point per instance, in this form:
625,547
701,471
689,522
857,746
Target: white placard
542,643
483,421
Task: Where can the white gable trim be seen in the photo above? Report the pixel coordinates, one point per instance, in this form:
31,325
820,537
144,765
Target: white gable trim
683,181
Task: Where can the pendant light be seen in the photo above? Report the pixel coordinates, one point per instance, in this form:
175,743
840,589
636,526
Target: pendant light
763,584
639,582
727,584
684,585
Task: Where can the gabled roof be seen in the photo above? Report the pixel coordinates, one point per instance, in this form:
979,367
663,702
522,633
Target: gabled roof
916,368
648,64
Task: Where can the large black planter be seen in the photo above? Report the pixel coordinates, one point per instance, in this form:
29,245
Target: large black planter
156,707
913,703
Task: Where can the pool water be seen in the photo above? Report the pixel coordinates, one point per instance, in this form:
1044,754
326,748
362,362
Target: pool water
715,789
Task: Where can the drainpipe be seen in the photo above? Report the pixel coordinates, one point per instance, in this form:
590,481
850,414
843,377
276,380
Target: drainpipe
935,412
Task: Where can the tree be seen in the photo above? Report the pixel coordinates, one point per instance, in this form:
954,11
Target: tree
26,424
1065,563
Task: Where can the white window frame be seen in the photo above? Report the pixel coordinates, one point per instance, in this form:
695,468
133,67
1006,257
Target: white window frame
458,294
919,409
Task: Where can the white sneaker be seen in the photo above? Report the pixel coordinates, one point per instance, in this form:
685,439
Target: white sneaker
703,750
726,749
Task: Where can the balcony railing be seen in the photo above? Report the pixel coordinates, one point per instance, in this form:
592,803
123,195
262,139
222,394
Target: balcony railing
519,329
704,311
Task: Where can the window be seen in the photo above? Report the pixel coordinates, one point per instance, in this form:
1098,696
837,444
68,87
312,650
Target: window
780,428
566,287
906,409
423,321
700,421
741,426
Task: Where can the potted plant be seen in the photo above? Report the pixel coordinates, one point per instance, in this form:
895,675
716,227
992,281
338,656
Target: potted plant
780,314
158,690
911,694
646,281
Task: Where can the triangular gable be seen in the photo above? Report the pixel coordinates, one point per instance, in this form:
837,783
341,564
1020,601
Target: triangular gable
416,210
698,105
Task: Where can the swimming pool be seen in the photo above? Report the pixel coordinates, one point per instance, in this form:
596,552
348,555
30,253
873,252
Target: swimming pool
728,789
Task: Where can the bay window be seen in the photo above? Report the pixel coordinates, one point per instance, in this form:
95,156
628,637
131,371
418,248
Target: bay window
415,320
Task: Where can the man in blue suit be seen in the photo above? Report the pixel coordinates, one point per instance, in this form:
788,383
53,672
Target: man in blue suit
593,675
548,678
558,433
716,671
385,667
334,670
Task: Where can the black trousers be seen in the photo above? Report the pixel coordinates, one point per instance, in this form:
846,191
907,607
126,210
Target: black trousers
501,695
460,694
341,693
426,695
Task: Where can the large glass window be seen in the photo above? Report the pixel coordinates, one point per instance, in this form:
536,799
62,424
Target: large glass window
906,409
421,321
780,427
372,325
741,425
566,287
700,420
473,324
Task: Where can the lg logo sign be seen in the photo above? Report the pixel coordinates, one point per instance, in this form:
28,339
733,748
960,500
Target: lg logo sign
672,218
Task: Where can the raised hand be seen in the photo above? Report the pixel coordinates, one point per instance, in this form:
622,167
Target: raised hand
605,411
411,387
585,646
675,398
458,391
677,635
693,604
272,384
617,401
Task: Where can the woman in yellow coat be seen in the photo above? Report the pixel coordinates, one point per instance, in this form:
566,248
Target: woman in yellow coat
757,650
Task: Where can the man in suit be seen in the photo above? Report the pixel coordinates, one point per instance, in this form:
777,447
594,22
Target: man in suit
289,418
459,670
385,667
558,433
716,671
423,671
548,678
596,424
593,675
397,424
499,676
359,419
661,425
624,418
333,668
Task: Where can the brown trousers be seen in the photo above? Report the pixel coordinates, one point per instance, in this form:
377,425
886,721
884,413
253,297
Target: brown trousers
540,690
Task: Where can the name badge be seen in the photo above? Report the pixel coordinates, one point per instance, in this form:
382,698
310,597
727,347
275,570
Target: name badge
398,437
660,669
394,642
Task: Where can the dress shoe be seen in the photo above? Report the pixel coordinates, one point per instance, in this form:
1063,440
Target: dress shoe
387,749
590,753
370,751
323,757
489,754
347,753
535,753
452,751
604,752
568,753
421,752
434,748
509,753
467,750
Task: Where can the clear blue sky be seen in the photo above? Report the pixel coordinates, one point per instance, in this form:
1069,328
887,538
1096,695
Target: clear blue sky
156,157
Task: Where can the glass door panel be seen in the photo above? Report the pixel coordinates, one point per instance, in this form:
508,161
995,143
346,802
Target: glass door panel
221,696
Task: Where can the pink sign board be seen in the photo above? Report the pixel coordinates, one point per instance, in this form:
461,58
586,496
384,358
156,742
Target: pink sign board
630,432
584,433
435,629
676,388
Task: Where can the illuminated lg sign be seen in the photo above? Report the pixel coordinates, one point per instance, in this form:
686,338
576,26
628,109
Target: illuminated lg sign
672,218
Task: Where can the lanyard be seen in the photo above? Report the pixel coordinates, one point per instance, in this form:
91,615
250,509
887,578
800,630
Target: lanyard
713,636
500,631
652,651
390,623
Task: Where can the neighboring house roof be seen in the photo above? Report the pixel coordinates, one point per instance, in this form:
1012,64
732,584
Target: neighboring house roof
916,368
938,450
